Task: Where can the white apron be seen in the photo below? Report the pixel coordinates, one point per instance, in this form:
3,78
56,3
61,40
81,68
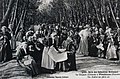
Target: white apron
47,62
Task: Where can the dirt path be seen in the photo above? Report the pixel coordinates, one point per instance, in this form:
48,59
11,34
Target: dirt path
11,70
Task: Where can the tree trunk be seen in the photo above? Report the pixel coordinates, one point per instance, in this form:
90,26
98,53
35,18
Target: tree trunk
20,21
13,41
97,13
3,8
7,14
113,14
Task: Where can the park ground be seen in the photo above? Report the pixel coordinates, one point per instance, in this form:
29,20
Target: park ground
87,68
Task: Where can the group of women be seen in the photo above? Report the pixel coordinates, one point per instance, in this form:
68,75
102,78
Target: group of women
53,48
47,50
97,42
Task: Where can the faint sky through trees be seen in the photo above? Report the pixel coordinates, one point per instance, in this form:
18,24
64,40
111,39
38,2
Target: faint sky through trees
44,5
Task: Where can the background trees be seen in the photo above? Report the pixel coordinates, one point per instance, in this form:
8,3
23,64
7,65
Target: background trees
30,12
19,15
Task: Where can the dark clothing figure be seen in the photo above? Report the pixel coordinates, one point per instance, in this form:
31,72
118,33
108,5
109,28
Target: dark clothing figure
77,41
47,41
31,49
5,49
71,62
56,41
40,50
63,37
116,44
93,50
36,50
105,45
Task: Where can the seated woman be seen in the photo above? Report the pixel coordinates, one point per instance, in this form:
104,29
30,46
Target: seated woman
25,60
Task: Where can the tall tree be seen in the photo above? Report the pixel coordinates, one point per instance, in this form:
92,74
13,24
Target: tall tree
7,14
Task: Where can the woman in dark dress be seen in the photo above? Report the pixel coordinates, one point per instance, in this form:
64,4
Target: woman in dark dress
71,57
93,42
70,63
35,49
5,49
76,40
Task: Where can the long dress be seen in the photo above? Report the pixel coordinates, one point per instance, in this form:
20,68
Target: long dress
83,46
47,62
71,57
35,50
111,52
77,41
5,49
93,50
70,63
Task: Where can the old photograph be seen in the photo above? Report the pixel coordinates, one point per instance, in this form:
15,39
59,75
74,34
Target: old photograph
59,39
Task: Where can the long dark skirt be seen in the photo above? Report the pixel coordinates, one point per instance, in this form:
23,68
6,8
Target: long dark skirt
32,69
5,52
93,51
70,64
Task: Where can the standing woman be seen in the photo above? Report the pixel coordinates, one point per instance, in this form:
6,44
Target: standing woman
83,46
111,49
93,42
5,49
47,63
70,63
